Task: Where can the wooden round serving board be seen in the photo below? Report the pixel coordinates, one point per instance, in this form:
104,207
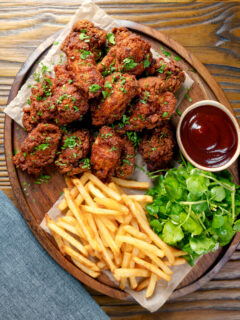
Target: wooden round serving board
35,200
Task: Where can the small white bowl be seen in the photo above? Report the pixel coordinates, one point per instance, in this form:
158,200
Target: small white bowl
234,121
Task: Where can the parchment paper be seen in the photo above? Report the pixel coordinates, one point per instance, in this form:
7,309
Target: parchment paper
92,12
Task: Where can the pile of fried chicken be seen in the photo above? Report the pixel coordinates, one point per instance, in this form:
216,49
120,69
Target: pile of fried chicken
113,81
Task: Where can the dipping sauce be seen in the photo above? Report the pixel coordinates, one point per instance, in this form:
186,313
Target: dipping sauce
209,136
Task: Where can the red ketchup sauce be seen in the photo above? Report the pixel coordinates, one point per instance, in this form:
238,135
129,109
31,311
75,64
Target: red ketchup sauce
208,136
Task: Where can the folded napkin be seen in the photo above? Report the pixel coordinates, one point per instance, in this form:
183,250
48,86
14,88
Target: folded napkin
32,285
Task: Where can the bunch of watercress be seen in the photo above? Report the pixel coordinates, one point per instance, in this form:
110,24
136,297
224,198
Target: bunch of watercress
194,210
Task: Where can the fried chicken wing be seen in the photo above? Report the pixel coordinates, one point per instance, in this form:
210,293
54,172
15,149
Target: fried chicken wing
39,149
106,152
125,166
152,107
58,100
119,90
170,72
131,54
75,148
157,146
82,46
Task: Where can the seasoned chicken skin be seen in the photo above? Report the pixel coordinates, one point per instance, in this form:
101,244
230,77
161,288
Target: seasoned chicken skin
152,107
56,101
39,149
131,54
110,155
157,146
119,90
82,46
75,147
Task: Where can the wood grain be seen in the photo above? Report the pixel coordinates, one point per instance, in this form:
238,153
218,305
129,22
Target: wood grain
209,30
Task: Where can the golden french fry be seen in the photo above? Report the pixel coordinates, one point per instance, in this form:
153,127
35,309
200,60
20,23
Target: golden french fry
151,285
86,196
132,280
135,233
177,262
85,269
105,234
75,243
178,253
111,193
109,224
101,211
63,204
101,265
67,227
94,190
142,285
160,263
107,257
141,198
127,219
59,242
116,188
68,182
131,183
93,231
145,227
112,204
125,263
118,260
141,245
74,254
136,272
69,219
152,268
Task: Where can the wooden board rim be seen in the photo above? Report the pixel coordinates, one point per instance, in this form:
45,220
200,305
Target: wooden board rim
41,235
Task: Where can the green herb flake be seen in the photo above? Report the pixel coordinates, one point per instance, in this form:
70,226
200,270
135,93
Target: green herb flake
129,64
165,114
177,58
111,38
166,53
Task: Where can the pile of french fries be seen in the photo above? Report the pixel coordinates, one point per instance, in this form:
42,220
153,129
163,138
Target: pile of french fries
103,228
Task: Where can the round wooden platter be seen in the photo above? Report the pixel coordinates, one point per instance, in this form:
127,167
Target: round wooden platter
35,200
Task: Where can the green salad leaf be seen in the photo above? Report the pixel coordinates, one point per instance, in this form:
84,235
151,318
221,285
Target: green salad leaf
194,210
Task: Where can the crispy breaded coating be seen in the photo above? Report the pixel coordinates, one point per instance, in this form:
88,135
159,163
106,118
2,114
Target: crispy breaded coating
170,72
157,147
152,107
131,54
57,101
125,166
106,152
75,147
119,90
82,46
121,33
39,149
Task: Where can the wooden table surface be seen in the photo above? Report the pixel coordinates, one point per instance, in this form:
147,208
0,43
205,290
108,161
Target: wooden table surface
211,31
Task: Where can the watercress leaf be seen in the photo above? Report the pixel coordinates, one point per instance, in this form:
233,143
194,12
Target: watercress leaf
200,207
197,185
156,225
236,226
217,221
202,245
173,188
152,209
171,233
190,225
218,193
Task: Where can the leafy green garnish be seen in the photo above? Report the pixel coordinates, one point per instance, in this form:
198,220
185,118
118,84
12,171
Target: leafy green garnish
111,38
166,53
94,87
194,210
129,64
134,138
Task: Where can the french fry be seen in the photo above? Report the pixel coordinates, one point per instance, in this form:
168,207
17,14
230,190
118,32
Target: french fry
160,264
112,204
86,196
136,272
67,227
141,245
59,242
145,227
85,269
152,268
107,236
141,198
142,285
109,224
116,188
131,183
101,265
107,257
101,211
135,233
125,263
74,254
68,182
132,280
110,192
94,190
151,285
77,244
177,262
69,219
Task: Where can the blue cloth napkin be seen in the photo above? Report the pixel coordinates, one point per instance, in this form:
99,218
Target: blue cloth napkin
32,285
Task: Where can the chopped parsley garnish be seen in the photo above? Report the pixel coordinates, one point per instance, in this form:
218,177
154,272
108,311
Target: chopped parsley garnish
108,85
161,69
187,95
70,81
105,94
123,90
179,112
71,142
129,64
106,135
146,63
111,38
85,54
146,96
177,58
83,36
76,109
113,149
86,163
166,53
94,87
39,113
28,101
134,138
42,146
55,43
43,178
165,114
163,135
